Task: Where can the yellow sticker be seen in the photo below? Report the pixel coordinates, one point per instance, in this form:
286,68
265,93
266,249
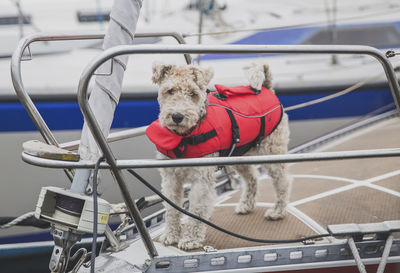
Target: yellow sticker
103,218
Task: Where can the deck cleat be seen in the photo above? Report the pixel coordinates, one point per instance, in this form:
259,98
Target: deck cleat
47,151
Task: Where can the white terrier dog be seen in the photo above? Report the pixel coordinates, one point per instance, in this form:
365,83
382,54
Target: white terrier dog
185,105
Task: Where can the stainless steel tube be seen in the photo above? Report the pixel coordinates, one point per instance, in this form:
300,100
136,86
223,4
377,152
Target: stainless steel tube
209,161
23,95
16,69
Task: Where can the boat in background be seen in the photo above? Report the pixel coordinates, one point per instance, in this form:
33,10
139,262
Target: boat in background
51,79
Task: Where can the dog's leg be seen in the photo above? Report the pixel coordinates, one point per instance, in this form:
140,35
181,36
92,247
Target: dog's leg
282,183
172,187
277,143
247,199
201,201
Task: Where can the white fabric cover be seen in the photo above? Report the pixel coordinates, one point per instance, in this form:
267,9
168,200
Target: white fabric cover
107,89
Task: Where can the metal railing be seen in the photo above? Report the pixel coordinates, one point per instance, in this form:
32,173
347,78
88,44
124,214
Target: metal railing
23,95
190,162
225,49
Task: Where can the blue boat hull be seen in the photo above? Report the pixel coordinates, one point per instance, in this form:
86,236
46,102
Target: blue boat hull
135,110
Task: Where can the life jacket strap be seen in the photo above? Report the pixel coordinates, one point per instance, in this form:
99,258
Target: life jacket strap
193,140
261,133
197,139
219,96
235,135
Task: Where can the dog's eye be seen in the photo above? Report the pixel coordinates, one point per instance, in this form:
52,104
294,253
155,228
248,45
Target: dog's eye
193,94
170,91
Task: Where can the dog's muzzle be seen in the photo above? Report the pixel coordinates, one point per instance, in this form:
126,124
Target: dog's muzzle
177,117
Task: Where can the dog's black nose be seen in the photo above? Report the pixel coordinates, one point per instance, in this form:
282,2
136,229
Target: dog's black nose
177,117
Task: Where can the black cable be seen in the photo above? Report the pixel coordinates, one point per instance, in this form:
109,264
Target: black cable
172,204
95,212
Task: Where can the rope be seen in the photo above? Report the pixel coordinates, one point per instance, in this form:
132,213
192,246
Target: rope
356,255
18,220
385,254
337,94
119,209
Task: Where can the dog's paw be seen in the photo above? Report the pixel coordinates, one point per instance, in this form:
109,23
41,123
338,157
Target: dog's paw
244,208
169,238
275,214
188,244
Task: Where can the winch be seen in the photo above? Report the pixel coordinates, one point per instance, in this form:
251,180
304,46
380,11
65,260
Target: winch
70,215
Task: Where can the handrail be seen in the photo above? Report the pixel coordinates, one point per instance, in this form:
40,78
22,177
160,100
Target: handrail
16,69
210,161
24,96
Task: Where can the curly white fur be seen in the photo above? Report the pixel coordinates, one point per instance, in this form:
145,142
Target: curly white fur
182,93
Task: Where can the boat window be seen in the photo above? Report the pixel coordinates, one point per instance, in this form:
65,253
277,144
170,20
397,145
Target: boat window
14,20
376,36
90,17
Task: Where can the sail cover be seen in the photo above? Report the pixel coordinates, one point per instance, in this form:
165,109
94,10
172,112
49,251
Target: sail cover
107,89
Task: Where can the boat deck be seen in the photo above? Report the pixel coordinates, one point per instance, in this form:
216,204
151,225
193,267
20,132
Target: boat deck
323,193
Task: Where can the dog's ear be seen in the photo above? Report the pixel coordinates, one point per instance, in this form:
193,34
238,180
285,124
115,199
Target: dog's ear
202,77
159,71
208,74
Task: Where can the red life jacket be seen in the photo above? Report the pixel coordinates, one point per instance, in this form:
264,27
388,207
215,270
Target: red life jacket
237,119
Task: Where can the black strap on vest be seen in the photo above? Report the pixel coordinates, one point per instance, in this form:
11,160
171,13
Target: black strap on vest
193,140
262,131
235,134
219,96
197,139
238,151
